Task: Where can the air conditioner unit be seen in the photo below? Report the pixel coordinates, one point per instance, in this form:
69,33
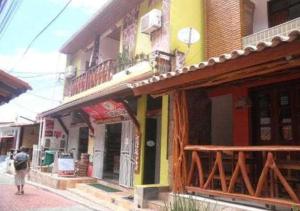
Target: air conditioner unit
151,21
70,71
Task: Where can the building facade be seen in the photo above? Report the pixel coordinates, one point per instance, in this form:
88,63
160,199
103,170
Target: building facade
234,121
126,136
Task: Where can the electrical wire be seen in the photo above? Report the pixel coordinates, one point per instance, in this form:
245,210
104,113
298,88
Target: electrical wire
2,5
13,7
24,107
44,98
39,34
39,75
37,72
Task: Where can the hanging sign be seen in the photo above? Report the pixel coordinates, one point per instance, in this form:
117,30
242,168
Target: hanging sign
106,110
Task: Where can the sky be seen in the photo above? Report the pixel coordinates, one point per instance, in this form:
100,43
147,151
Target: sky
42,65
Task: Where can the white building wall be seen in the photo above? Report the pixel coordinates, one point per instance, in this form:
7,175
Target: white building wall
109,49
99,150
73,141
55,142
260,21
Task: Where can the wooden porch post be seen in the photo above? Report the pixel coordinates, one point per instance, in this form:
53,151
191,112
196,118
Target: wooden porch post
180,140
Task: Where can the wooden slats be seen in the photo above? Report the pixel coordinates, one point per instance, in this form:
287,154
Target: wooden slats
92,77
262,190
265,200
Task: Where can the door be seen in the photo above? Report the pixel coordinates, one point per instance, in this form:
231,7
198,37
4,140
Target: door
99,151
276,114
83,140
150,151
127,154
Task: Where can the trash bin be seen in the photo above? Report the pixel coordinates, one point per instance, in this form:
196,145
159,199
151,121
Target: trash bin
49,157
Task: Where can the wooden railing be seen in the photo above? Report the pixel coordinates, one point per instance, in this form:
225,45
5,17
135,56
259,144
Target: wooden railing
163,62
263,174
92,77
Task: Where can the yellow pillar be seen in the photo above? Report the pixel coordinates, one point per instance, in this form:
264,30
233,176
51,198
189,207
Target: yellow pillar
164,165
141,116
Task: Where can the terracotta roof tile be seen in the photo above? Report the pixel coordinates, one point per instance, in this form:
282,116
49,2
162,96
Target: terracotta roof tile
261,46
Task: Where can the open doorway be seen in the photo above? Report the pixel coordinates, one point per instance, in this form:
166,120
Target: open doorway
83,140
6,144
152,142
112,149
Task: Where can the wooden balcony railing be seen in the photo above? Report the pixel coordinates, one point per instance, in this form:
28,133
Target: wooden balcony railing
103,72
264,174
163,62
92,77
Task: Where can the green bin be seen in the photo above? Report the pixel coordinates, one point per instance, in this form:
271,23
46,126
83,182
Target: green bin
49,157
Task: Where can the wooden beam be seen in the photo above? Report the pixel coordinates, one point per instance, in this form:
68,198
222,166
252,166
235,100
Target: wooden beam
131,114
262,200
62,124
86,119
7,88
243,62
242,148
89,100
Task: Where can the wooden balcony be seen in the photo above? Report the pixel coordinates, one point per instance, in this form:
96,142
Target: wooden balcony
91,78
262,174
104,72
163,62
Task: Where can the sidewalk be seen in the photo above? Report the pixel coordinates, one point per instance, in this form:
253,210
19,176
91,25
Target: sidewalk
41,198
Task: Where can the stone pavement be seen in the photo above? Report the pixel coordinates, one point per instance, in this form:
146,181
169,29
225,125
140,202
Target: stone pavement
34,199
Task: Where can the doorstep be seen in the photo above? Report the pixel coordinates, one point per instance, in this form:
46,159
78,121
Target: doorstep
117,199
55,181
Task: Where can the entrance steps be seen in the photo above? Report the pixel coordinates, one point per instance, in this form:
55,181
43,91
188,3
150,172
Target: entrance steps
117,201
159,204
156,205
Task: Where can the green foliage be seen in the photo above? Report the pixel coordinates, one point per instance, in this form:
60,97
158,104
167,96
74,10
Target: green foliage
295,208
188,204
124,60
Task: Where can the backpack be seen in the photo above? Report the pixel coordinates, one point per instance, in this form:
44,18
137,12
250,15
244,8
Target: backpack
20,164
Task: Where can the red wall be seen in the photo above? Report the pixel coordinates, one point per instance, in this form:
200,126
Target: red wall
241,122
241,115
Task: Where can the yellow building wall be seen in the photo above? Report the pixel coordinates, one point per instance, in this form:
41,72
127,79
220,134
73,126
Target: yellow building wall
188,13
141,117
143,42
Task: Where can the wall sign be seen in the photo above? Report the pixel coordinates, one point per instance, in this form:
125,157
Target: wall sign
49,126
137,154
66,166
8,132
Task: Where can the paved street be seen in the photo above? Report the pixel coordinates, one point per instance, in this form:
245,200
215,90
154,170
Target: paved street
34,199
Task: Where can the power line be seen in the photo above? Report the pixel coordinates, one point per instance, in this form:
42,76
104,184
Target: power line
44,98
24,107
37,72
2,5
39,75
39,34
13,7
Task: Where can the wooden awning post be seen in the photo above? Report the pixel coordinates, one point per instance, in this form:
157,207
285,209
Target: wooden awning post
180,140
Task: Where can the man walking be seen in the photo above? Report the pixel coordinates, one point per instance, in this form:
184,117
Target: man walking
21,166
